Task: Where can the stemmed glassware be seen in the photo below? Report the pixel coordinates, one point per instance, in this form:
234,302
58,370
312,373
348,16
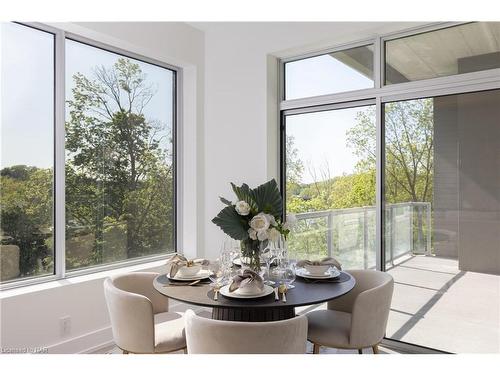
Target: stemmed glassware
268,255
288,273
217,276
230,250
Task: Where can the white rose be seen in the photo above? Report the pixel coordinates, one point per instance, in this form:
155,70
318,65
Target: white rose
260,222
242,207
262,235
272,220
252,234
273,234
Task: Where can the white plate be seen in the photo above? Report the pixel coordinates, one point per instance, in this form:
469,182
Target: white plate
226,293
328,275
237,262
203,274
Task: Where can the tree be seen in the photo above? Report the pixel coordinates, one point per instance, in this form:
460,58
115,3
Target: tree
408,148
409,141
294,166
26,216
118,174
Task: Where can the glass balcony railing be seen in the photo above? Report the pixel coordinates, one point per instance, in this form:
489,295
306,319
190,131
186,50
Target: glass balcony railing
349,234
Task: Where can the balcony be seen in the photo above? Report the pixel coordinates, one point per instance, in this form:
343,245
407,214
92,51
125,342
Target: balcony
435,304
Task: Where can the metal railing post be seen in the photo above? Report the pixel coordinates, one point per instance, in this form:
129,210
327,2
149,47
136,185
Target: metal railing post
393,234
428,229
412,243
329,234
365,237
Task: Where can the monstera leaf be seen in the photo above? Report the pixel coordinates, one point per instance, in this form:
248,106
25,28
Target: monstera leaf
267,197
231,223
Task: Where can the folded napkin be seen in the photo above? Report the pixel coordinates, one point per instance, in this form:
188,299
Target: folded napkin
178,261
323,262
247,277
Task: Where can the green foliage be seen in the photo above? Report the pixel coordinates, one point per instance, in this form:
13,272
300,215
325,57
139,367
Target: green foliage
264,198
408,171
231,223
267,198
117,162
244,193
119,179
26,216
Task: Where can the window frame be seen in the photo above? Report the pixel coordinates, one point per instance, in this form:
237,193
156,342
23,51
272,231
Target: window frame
454,84
59,193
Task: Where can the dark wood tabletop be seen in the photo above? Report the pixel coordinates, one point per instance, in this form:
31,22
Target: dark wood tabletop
304,293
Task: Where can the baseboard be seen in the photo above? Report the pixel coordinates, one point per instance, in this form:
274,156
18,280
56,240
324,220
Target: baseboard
99,340
88,343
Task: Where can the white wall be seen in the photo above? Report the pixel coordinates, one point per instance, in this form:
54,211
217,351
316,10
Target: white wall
30,316
241,142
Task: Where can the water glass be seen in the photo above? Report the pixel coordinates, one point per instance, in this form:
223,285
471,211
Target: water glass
230,250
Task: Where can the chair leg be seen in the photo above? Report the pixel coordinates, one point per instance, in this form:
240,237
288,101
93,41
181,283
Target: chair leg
360,351
125,351
315,348
186,350
375,349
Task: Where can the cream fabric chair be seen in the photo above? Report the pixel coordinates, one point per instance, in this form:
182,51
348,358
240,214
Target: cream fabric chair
356,320
207,336
139,315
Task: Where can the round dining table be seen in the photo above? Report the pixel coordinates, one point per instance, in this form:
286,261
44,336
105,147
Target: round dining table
306,292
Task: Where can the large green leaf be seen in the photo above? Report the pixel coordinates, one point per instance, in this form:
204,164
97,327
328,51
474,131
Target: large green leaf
268,199
227,202
244,193
231,223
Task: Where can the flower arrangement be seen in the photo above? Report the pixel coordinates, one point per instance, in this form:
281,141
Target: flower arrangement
254,218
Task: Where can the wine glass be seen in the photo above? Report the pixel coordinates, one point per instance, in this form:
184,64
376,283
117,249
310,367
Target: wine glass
288,274
216,273
275,275
268,257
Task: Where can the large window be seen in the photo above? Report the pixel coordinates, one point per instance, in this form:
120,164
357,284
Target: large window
330,184
111,157
119,157
27,152
405,178
442,194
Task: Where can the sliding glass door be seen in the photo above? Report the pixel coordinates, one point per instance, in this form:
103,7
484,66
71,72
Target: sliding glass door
442,220
330,184
390,155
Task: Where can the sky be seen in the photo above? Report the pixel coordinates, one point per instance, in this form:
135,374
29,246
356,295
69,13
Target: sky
27,81
320,138
321,141
322,75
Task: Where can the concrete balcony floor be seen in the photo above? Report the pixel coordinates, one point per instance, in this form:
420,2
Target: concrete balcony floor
438,306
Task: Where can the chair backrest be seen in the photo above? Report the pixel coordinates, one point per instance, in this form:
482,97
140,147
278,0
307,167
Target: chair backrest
132,303
369,303
208,336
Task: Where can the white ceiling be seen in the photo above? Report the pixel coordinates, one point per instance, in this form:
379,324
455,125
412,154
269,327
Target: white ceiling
289,38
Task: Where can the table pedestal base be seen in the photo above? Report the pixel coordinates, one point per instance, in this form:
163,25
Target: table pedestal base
253,315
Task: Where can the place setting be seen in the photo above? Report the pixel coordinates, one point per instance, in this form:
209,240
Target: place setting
184,272
326,270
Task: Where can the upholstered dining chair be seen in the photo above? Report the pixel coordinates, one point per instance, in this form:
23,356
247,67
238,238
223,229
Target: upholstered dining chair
356,320
140,319
207,336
